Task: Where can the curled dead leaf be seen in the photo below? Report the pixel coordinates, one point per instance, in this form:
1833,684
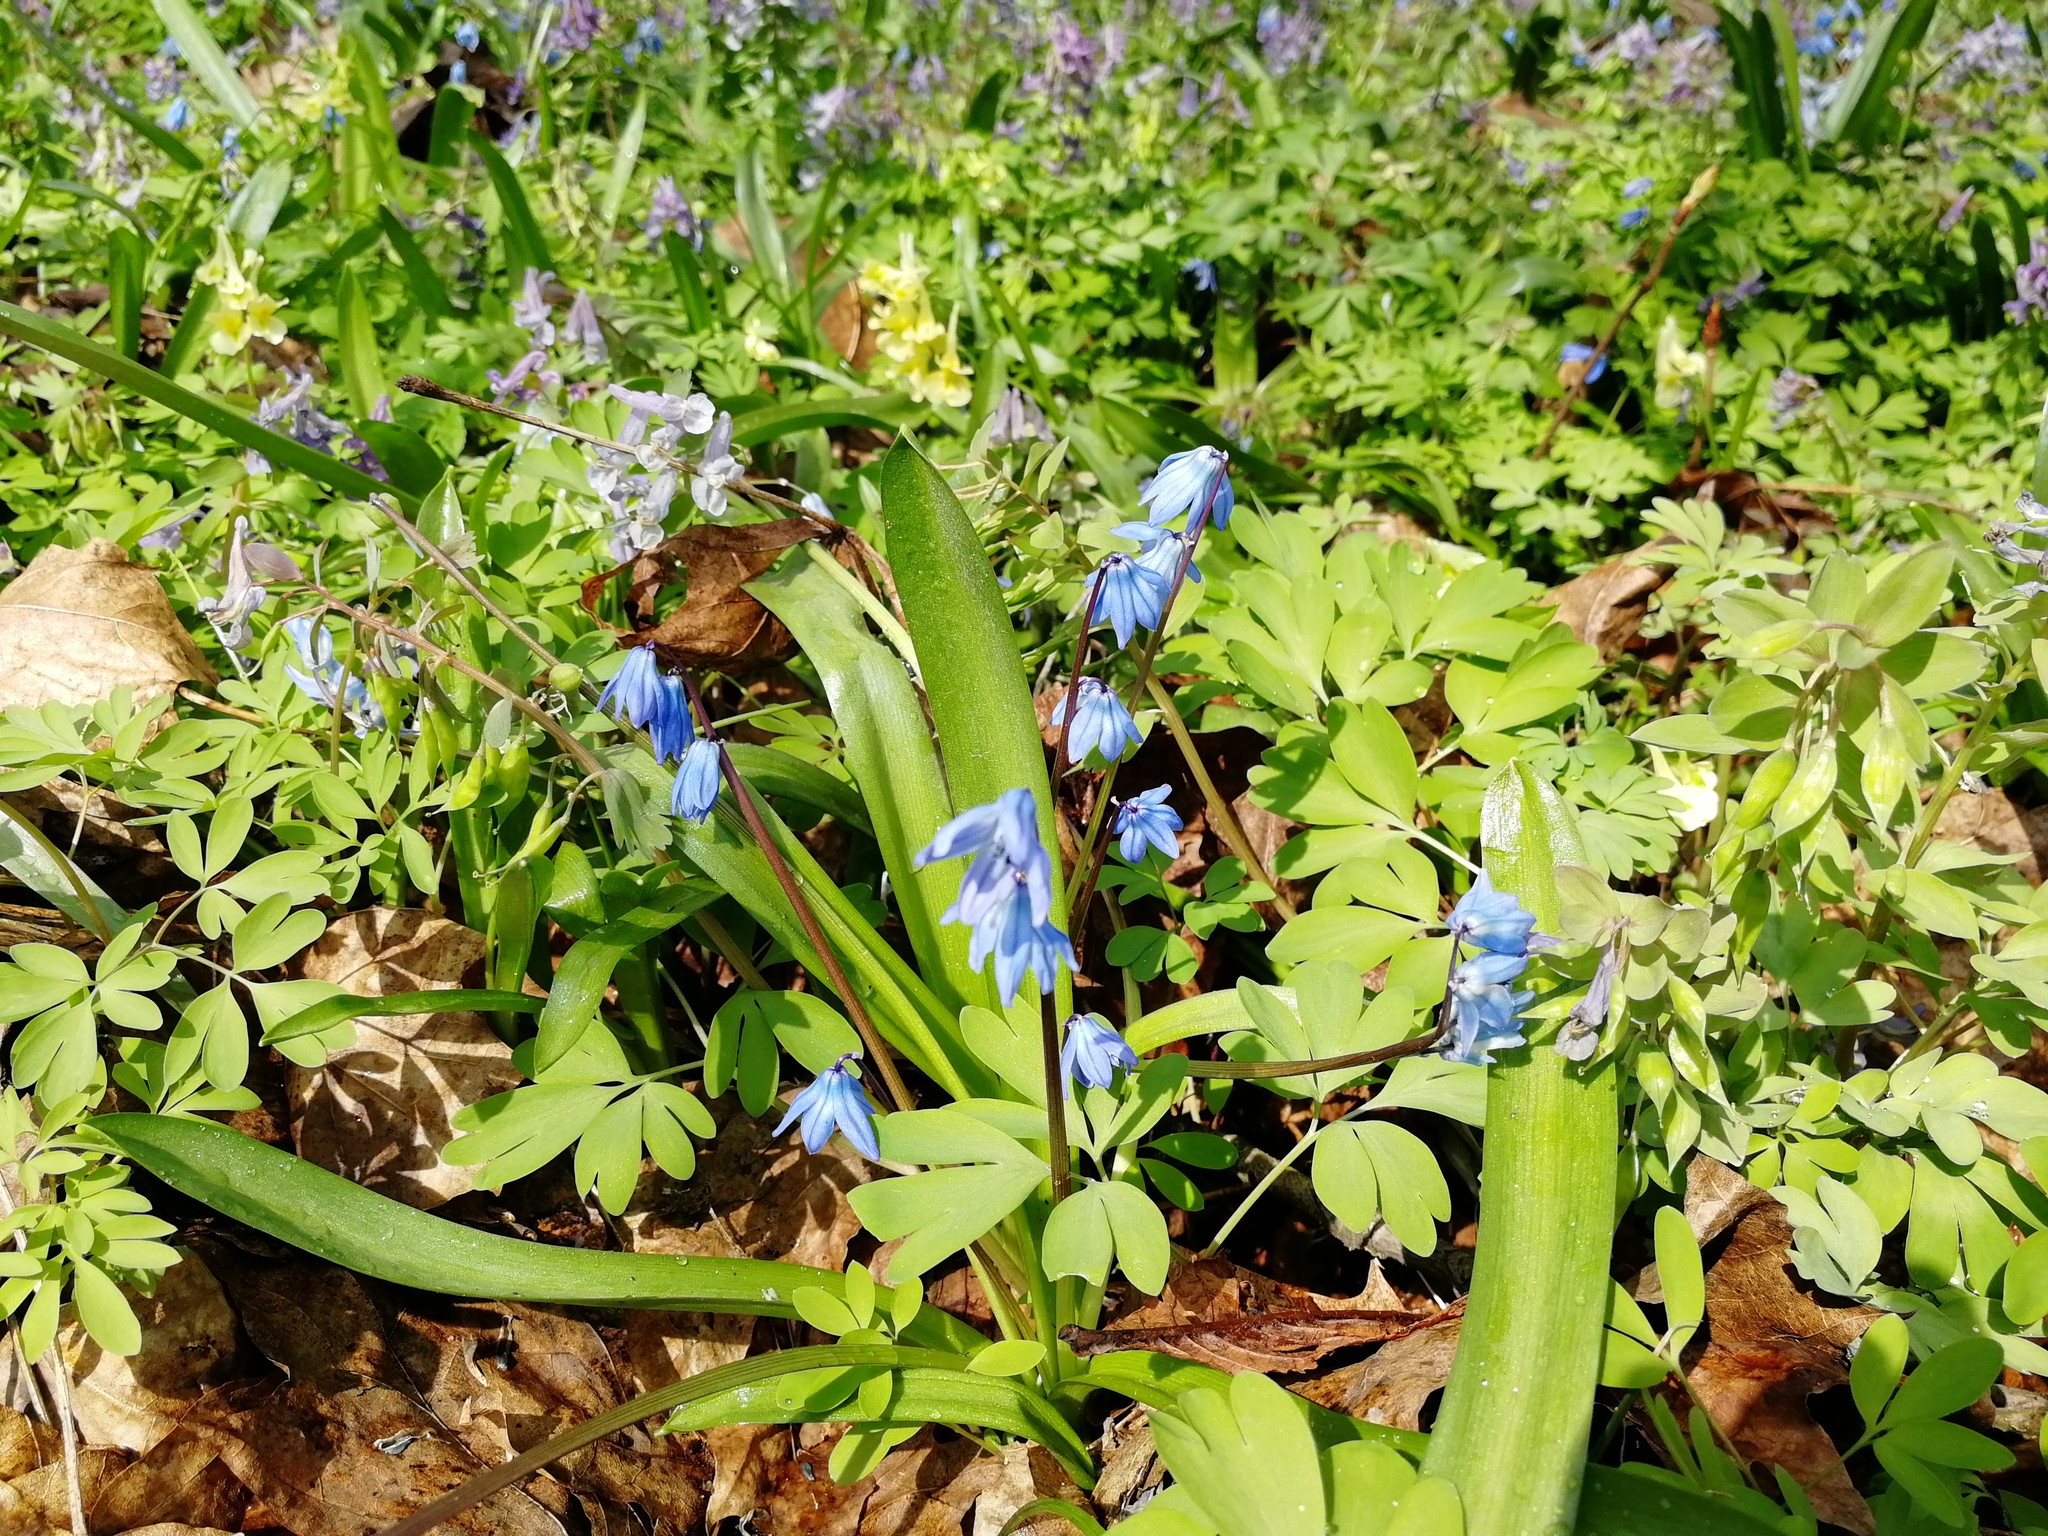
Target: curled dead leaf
718,623
380,1111
80,623
1604,608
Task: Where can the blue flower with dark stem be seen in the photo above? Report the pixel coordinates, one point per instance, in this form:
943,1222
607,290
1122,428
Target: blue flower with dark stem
1484,1013
1018,941
1003,838
669,727
1189,482
835,1101
1129,594
1101,723
1492,920
1146,821
696,788
1163,552
1580,352
635,694
1006,894
1092,1053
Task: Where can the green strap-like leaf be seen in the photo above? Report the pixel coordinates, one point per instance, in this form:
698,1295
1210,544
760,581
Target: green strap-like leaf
525,246
206,60
283,452
334,1219
324,1015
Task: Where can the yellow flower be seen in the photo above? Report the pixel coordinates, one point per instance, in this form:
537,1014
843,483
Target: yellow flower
261,314
1676,367
758,342
229,330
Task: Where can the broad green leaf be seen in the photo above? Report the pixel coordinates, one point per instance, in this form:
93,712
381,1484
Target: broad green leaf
941,1211
1879,1362
1679,1272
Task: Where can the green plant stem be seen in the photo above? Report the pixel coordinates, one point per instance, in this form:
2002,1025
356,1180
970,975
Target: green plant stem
1220,813
735,953
1062,1156
1272,1177
1088,860
1061,758
743,798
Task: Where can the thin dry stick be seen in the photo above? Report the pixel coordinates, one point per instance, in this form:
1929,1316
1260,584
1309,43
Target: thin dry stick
1881,492
1255,1069
877,1048
57,1378
579,753
1702,185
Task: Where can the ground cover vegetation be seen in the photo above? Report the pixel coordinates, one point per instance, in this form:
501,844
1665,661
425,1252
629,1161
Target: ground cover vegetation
942,765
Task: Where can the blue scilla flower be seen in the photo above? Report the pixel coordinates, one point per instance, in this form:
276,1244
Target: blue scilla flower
696,787
835,1101
636,691
230,144
1129,594
1637,187
1484,1013
1579,352
1018,941
669,728
1146,821
1006,894
1002,836
1163,550
466,36
1092,1053
1203,273
177,114
1491,920
458,73
1101,723
1631,217
1192,481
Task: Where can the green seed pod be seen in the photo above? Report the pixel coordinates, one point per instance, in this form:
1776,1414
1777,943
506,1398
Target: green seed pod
1765,785
512,771
1811,787
464,791
565,677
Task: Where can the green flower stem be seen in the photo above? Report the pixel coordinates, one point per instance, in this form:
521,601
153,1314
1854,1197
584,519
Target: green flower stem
1272,1177
1220,813
1519,1405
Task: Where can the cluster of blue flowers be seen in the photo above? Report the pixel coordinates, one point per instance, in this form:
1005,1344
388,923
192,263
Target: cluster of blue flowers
1006,894
1634,190
1485,1015
642,694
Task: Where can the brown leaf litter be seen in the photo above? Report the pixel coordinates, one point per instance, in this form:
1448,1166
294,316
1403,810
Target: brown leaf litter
379,1111
80,623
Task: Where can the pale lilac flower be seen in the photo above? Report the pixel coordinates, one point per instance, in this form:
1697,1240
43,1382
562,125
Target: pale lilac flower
1954,216
531,311
581,329
2030,287
716,470
1017,419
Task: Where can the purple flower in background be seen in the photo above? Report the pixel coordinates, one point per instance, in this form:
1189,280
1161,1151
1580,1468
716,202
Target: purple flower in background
834,1101
160,75
716,469
1736,295
1017,419
582,330
680,415
1954,215
646,40
2030,287
1146,821
240,597
581,22
1580,1035
1636,43
1102,726
169,535
697,776
1998,51
1791,394
669,210
1092,1053
292,409
531,311
524,380
1289,39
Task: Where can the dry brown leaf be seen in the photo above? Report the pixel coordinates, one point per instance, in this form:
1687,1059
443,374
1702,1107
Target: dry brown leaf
1128,1462
1276,1343
1604,608
718,623
188,1342
1996,823
379,1111
1772,1344
79,623
21,1448
40,1501
182,1479
1394,1387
